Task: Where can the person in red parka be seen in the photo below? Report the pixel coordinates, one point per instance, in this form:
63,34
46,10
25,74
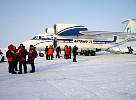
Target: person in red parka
11,56
31,57
22,59
67,52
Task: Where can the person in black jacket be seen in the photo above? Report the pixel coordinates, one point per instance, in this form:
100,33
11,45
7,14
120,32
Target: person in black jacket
70,52
74,53
1,52
16,60
58,52
46,53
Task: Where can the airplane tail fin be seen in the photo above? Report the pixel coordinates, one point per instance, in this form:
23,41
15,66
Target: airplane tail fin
130,26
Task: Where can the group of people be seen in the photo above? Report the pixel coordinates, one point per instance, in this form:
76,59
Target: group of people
18,55
130,49
67,52
49,52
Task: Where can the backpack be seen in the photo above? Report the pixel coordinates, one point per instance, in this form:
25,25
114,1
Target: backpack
34,53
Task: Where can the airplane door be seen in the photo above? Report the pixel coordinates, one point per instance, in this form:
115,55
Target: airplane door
55,42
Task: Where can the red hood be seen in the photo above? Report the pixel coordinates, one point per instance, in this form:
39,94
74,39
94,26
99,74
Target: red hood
10,47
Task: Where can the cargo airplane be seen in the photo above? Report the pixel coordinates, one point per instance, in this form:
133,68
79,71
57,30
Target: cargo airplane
72,34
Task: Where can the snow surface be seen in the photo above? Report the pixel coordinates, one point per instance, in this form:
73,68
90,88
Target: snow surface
101,77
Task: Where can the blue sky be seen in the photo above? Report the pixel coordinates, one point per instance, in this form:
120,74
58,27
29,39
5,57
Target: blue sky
22,19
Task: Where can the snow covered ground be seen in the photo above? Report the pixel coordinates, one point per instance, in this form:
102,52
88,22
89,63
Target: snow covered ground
101,77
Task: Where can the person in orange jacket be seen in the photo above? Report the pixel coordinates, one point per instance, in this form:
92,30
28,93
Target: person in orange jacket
11,56
50,52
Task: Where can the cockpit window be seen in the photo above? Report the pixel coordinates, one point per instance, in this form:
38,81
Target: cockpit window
41,38
35,38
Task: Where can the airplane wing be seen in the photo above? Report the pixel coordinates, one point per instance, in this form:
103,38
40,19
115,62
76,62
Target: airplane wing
100,33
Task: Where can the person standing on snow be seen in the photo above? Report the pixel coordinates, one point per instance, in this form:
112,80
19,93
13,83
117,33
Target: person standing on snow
58,52
74,53
16,58
46,53
50,52
31,56
67,52
70,52
11,56
1,52
22,59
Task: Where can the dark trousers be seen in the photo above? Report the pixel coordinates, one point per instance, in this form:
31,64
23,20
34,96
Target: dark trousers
10,68
57,55
64,55
20,67
70,56
15,65
47,57
32,65
67,56
74,59
50,57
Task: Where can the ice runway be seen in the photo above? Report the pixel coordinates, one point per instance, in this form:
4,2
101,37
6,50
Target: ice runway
101,77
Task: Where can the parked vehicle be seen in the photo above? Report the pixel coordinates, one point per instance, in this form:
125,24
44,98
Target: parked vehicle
1,57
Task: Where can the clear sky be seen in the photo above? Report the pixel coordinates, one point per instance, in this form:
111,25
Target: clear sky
22,19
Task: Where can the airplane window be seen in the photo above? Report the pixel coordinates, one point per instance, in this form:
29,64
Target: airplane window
46,39
35,38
